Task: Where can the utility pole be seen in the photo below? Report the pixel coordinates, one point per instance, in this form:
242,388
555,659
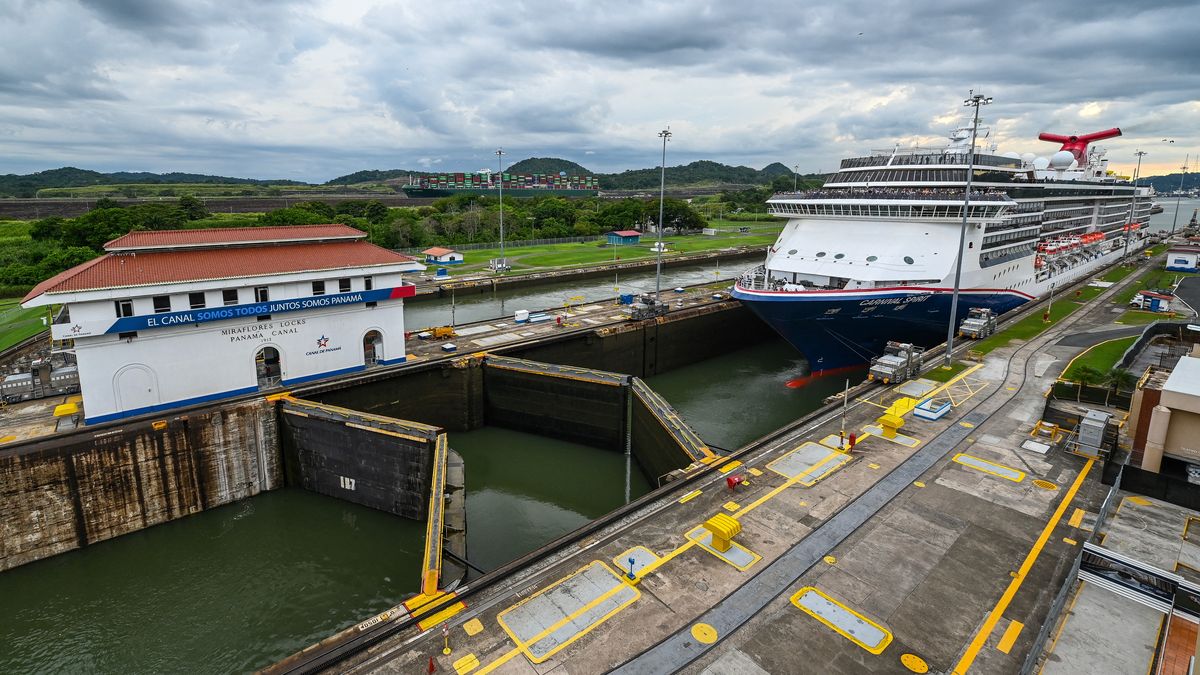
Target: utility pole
1179,194
1133,202
665,135
973,100
500,164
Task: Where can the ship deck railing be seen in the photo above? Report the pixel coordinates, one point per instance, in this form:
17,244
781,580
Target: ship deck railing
893,193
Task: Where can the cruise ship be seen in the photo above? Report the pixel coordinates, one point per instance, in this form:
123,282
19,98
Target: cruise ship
869,257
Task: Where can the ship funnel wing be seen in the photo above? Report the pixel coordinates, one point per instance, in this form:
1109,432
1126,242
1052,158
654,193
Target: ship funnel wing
1077,144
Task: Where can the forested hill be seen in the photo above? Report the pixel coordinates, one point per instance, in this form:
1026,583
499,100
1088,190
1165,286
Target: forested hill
1170,182
549,165
14,185
703,172
374,176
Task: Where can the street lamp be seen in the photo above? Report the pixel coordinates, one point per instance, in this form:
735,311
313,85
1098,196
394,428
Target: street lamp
1133,203
974,100
500,165
665,135
796,178
1179,192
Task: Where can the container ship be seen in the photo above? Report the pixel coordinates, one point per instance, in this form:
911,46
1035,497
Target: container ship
869,257
486,182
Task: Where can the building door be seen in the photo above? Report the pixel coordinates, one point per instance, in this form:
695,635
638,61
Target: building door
372,348
267,366
136,388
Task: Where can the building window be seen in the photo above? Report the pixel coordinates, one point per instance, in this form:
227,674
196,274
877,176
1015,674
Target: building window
196,300
162,304
229,296
124,307
343,285
263,317
260,294
318,288
368,283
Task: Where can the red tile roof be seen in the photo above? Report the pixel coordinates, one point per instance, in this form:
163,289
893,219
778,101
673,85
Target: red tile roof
118,270
627,233
437,250
232,235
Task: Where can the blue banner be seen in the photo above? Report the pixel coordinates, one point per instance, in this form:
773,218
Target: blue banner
193,316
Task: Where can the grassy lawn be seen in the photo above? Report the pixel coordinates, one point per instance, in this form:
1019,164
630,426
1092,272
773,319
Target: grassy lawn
16,324
1136,317
1089,292
540,258
1117,273
944,374
1029,327
1102,357
1150,279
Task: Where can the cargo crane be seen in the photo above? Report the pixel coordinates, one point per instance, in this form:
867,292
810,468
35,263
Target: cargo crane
899,362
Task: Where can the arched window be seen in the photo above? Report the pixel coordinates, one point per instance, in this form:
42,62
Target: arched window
267,367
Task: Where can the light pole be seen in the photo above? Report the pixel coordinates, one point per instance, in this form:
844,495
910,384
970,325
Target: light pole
1133,202
974,100
796,178
1179,193
665,135
500,164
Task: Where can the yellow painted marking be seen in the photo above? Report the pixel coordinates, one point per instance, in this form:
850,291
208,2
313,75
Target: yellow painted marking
697,533
830,560
873,465
8,438
914,663
876,649
729,466
1010,636
1010,388
473,627
704,633
1068,540
1188,524
918,483
1045,484
980,464
989,624
436,619
966,424
1076,518
755,472
466,664
1140,501
523,647
689,496
731,506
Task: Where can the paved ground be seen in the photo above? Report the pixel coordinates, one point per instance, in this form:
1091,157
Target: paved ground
945,553
1189,292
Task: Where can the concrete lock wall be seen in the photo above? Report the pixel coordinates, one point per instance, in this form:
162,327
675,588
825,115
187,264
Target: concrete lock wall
447,395
378,462
660,440
81,488
579,405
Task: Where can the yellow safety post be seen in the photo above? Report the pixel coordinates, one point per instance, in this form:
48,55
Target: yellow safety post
902,406
890,423
723,529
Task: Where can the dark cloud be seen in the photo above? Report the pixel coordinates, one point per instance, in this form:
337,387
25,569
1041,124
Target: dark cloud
311,90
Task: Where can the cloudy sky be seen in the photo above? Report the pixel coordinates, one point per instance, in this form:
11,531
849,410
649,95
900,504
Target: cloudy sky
313,89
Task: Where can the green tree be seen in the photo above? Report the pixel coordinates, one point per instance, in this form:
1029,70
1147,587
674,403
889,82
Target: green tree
321,208
192,208
1118,380
94,228
621,214
293,216
375,212
47,229
105,203
1086,376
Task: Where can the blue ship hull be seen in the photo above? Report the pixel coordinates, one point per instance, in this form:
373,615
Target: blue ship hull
847,331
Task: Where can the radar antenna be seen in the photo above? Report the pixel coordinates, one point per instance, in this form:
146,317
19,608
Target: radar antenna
1077,145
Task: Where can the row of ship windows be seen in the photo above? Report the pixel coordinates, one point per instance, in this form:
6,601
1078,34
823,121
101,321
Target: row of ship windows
230,296
874,210
1007,255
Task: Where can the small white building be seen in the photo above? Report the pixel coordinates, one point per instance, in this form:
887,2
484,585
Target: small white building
442,256
172,318
1183,259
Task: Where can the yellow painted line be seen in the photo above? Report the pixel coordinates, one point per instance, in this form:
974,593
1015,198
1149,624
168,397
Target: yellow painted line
1140,501
1076,518
729,466
1010,636
731,506
968,425
980,464
989,624
874,649
8,438
1187,525
872,465
466,664
1080,354
473,627
756,472
953,380
666,558
697,533
388,432
689,496
1068,540
918,483
435,619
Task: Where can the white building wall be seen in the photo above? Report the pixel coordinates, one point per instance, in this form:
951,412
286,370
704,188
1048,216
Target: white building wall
173,366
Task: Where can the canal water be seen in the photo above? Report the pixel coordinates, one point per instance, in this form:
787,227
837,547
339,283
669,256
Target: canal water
471,306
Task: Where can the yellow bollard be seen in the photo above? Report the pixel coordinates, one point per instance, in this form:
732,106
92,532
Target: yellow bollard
723,529
889,423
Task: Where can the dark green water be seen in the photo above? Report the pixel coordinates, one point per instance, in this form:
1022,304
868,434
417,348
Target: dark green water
237,588
525,490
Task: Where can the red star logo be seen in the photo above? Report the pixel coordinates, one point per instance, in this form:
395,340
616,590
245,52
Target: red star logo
322,342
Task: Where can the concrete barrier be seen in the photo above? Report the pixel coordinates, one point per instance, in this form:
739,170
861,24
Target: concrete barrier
69,491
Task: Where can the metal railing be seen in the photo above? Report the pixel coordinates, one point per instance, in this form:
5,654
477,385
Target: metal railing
507,244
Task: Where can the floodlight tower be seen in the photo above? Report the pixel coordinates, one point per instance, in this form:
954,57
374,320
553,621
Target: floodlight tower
665,135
